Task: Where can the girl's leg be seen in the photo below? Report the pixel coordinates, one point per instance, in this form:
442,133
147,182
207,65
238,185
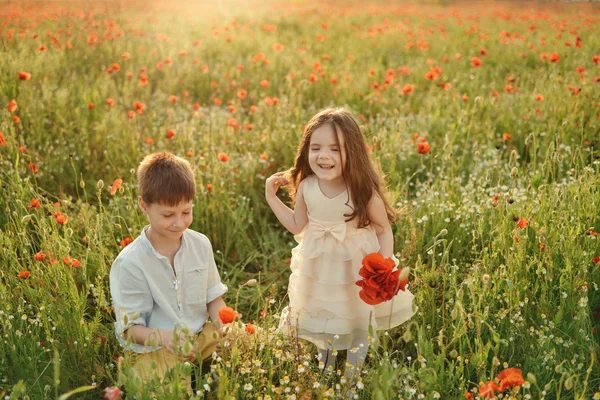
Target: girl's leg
327,358
356,356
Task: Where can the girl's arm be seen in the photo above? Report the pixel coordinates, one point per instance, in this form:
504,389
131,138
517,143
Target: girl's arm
383,229
293,220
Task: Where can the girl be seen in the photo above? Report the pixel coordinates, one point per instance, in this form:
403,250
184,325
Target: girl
341,214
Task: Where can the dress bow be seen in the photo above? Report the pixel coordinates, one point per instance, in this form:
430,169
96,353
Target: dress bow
338,231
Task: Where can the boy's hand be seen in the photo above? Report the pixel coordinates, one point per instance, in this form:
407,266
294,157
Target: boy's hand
175,344
273,182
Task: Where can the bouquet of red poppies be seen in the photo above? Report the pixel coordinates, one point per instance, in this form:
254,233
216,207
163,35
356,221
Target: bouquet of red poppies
380,281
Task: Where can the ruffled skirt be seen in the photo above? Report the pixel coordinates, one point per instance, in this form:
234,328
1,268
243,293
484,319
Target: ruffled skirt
325,307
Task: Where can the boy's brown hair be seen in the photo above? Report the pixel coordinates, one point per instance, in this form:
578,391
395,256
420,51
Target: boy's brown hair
166,179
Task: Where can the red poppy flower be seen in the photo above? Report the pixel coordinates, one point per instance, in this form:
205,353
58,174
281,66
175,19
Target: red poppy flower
380,282
117,184
35,203
70,261
110,101
2,139
209,187
16,119
33,168
407,89
554,57
39,256
488,389
112,393
475,62
596,260
61,218
126,242
265,83
170,134
250,328
227,315
223,157
12,106
509,378
522,223
24,76
423,147
539,97
24,274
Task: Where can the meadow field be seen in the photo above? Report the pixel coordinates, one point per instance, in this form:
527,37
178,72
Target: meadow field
484,116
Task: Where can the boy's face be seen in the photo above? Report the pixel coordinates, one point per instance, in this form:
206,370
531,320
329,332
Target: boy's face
168,222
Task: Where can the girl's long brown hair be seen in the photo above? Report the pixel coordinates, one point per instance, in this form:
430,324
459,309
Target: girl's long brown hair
361,175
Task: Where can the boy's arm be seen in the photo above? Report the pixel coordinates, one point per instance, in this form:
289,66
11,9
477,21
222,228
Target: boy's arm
213,310
293,220
153,337
383,229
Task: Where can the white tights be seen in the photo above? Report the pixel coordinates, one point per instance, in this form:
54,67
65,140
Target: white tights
355,359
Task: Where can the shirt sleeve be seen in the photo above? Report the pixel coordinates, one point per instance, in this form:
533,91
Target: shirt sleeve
131,297
215,288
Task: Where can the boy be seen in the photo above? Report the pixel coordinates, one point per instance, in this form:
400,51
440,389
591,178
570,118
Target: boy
166,280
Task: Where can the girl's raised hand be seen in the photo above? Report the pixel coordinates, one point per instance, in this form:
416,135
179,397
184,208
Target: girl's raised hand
273,182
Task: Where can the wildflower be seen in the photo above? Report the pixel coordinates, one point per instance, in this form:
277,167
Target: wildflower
24,274
265,83
110,101
423,147
488,389
61,218
242,93
125,56
125,242
16,119
278,47
469,396
24,76
226,315
475,62
509,378
522,223
209,187
112,393
70,261
250,328
173,99
149,141
35,203
407,89
117,184
506,136
539,97
90,105
380,282
2,139
33,168
170,134
596,260
248,387
12,106
223,157
39,256
554,57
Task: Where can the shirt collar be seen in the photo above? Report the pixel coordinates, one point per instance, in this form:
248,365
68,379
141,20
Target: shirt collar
146,241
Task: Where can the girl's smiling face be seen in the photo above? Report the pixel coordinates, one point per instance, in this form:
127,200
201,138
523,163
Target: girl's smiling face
327,156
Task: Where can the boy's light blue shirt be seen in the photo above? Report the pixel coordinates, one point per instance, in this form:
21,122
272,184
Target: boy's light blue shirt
142,281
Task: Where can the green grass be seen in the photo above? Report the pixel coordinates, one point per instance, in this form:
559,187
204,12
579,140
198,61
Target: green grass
491,295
